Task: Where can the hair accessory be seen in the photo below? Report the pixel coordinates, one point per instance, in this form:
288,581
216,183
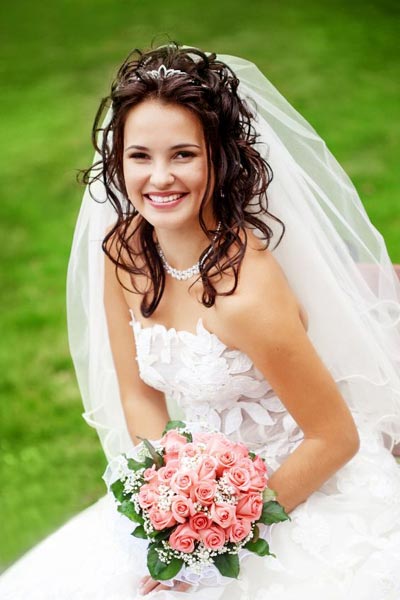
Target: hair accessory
162,72
184,274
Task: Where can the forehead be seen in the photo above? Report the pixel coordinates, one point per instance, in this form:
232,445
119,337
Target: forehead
153,121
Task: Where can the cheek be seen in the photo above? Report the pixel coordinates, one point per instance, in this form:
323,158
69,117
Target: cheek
133,177
199,177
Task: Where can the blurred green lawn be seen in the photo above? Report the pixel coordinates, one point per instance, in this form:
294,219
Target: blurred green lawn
337,62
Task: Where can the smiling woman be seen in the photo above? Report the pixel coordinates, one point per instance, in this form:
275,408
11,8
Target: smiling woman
290,350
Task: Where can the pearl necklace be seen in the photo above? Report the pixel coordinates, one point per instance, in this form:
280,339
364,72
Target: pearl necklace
184,274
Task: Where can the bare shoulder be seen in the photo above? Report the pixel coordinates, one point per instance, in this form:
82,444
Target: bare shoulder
263,300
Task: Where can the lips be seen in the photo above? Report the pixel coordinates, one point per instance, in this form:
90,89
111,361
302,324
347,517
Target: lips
166,198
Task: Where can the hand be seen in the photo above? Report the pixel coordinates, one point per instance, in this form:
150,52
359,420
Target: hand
148,584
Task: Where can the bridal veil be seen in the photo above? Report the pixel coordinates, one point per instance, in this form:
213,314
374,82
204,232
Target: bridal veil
333,257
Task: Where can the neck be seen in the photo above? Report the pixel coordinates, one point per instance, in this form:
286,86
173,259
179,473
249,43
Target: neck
182,249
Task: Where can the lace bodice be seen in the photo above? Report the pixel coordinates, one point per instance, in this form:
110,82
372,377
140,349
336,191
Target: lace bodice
205,381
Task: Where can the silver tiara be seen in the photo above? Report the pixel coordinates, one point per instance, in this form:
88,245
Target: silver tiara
162,72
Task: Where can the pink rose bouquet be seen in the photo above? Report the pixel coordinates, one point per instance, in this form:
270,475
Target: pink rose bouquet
198,498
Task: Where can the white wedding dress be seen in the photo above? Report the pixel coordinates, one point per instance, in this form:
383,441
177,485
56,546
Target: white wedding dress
342,543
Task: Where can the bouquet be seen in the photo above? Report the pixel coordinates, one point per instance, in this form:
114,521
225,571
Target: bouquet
198,498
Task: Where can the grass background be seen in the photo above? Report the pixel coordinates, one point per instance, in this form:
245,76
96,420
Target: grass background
337,62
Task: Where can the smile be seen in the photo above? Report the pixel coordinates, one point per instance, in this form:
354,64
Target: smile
169,199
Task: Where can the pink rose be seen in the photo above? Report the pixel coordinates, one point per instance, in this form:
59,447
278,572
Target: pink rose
190,450
258,480
182,481
147,496
183,538
213,537
172,442
181,507
199,521
161,519
165,473
239,477
172,463
223,514
204,491
202,437
218,444
241,450
250,506
207,467
226,460
239,530
150,473
246,463
260,465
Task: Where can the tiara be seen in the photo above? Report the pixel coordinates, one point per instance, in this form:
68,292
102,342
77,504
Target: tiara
162,72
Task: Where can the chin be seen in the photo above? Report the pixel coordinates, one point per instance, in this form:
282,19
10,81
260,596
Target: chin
172,221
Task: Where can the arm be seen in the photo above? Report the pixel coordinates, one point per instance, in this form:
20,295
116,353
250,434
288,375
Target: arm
144,407
278,344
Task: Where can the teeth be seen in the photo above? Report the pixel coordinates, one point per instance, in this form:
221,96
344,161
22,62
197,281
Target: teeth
164,199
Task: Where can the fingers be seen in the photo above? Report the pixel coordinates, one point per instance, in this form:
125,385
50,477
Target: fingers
148,584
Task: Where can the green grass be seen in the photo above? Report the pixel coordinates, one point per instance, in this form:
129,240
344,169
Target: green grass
338,64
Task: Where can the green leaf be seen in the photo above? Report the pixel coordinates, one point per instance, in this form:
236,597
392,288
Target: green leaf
157,458
161,535
227,564
117,489
269,494
273,512
148,462
256,534
174,425
135,465
139,532
259,547
160,570
127,508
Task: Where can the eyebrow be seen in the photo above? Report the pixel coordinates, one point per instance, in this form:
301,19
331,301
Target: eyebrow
175,147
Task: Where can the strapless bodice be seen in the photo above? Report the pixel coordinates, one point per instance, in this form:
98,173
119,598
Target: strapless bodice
205,381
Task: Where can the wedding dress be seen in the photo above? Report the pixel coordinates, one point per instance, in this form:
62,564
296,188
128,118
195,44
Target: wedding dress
343,542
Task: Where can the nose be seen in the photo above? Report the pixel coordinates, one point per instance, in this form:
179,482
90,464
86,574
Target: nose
161,175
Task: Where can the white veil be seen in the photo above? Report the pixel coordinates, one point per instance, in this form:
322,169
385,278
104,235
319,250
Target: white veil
333,257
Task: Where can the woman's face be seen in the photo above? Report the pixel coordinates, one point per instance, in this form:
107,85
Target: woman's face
165,165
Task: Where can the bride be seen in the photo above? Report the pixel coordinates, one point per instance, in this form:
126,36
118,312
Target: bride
224,271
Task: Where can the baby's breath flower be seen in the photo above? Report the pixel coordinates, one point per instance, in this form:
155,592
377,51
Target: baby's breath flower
225,491
166,497
133,481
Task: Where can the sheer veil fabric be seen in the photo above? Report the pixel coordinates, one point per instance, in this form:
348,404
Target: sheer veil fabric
333,257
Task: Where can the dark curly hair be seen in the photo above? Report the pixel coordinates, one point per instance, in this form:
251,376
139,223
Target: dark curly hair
241,174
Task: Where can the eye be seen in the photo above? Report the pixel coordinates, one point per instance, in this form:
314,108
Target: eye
139,155
184,154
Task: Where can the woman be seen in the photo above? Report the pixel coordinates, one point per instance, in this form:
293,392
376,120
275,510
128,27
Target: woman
291,348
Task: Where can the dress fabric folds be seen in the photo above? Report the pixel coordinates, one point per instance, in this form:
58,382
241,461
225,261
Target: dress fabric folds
343,542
